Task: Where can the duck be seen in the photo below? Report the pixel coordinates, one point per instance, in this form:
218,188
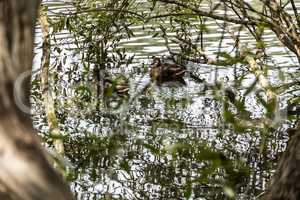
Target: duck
165,72
119,86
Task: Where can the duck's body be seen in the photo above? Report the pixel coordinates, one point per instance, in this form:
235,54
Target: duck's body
164,72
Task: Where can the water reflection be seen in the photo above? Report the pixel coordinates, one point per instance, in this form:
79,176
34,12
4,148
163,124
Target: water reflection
168,143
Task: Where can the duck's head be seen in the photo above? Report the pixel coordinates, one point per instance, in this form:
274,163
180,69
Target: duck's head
156,62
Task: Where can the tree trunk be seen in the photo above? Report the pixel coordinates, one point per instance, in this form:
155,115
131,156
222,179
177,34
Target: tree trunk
286,181
25,173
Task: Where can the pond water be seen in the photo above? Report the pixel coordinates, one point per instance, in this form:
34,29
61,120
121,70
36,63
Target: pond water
160,142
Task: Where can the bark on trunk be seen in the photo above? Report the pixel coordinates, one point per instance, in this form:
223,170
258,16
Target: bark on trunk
286,181
25,173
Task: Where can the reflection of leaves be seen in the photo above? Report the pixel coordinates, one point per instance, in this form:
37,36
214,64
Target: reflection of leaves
84,93
168,123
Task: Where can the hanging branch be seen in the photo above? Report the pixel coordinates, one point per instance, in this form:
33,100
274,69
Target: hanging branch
46,93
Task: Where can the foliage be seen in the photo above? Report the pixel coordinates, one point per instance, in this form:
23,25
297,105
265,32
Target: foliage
150,144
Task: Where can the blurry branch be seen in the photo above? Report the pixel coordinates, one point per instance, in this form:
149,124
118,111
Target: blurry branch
46,93
261,77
